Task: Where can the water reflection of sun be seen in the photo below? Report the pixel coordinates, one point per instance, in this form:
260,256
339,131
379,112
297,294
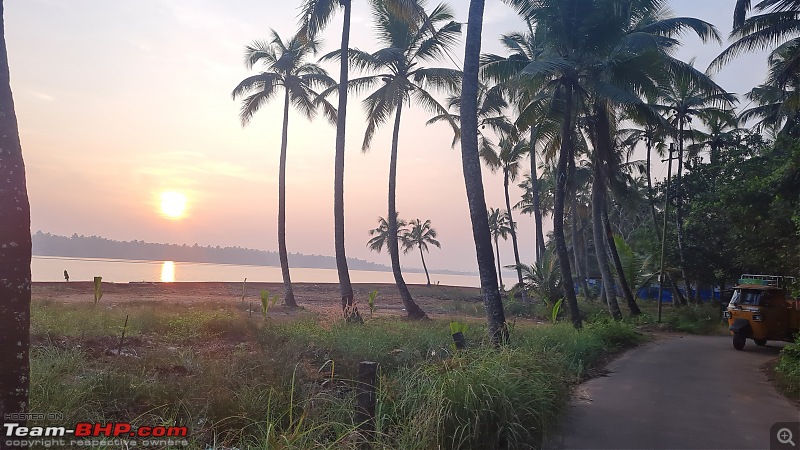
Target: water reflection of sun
168,272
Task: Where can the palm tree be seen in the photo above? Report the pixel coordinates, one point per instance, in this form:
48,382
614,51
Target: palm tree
499,227
314,16
491,106
420,235
683,99
507,71
15,254
777,25
617,60
508,160
543,278
401,78
380,235
777,102
285,65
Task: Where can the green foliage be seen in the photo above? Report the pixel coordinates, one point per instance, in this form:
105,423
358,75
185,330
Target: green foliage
740,212
98,289
458,327
514,308
638,268
543,278
556,309
267,301
372,296
788,369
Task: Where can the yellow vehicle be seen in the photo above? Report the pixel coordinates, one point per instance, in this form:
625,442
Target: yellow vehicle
762,309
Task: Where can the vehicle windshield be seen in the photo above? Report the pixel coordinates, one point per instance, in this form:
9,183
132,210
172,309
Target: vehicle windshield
751,297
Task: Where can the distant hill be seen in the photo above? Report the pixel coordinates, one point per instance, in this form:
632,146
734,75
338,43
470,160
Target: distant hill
46,244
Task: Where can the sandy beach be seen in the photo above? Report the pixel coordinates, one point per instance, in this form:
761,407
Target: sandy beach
314,297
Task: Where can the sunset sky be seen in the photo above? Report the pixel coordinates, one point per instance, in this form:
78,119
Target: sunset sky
121,101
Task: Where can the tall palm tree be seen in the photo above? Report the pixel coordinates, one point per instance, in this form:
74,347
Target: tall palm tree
499,227
683,99
507,70
471,167
380,235
314,17
652,130
15,253
285,65
400,79
420,235
508,160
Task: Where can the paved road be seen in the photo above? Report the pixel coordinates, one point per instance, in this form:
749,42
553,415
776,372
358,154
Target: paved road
679,392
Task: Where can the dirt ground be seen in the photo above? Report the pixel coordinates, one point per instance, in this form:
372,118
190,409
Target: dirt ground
315,297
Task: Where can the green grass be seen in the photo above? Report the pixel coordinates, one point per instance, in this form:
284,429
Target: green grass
241,381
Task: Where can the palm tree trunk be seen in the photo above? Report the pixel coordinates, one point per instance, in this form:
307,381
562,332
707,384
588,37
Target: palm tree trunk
422,256
598,202
537,209
288,297
499,273
15,255
623,282
585,257
513,236
412,309
679,215
575,249
345,287
471,166
650,188
562,179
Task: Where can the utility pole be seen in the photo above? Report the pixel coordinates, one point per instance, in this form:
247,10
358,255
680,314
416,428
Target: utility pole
664,229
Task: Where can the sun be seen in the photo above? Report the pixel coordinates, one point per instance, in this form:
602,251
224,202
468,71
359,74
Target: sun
173,204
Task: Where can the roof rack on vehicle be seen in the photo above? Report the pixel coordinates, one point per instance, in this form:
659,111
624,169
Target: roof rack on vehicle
766,280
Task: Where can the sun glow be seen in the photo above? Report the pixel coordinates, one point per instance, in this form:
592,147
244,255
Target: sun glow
173,204
168,272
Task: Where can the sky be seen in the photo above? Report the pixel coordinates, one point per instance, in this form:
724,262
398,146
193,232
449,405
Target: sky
120,101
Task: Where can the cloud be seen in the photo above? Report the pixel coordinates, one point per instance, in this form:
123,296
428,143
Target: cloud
42,96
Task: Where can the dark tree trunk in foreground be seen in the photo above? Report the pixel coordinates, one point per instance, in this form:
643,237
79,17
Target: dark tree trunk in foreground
537,209
15,255
345,287
562,181
471,164
623,282
513,226
412,309
288,297
598,203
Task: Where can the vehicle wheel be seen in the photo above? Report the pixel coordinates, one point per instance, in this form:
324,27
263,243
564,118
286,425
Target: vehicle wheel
739,341
760,342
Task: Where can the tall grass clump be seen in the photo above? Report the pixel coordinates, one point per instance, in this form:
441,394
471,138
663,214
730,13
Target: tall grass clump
482,398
